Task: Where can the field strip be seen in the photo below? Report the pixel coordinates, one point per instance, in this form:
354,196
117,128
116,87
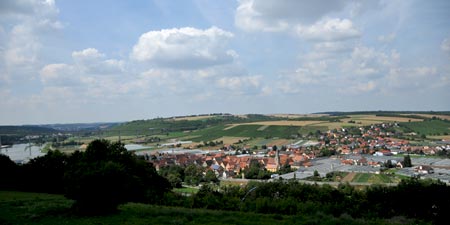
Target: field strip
279,123
230,140
262,128
447,117
231,126
349,177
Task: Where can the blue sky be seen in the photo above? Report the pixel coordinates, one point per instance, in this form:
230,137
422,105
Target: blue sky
85,61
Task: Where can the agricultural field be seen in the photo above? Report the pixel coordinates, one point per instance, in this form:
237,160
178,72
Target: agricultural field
428,127
230,140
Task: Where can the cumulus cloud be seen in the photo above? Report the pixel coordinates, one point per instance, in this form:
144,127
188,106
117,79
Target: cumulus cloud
236,83
184,48
275,15
329,30
90,60
369,62
27,21
89,65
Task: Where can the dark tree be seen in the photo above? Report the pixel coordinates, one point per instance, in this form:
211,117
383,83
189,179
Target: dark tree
107,175
45,173
210,176
9,173
193,174
407,161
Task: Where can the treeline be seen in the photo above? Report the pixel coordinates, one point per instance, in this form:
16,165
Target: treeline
424,200
98,179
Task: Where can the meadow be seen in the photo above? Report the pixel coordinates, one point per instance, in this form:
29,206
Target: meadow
38,208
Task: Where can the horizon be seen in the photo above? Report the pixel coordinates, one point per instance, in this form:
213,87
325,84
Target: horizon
65,62
212,114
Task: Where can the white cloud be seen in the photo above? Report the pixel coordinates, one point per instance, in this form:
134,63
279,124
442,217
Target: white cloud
26,21
369,62
445,45
184,48
329,30
276,15
91,61
239,85
87,55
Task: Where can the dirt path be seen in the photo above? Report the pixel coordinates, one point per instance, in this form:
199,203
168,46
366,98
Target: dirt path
349,177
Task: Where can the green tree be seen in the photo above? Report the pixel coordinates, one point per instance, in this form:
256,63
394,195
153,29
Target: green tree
210,176
407,161
193,174
107,175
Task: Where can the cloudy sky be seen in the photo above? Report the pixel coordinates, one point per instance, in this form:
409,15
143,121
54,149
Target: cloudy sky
85,61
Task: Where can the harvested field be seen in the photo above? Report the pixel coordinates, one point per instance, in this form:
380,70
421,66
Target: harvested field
293,116
349,177
230,140
281,123
279,142
446,117
190,118
365,120
441,137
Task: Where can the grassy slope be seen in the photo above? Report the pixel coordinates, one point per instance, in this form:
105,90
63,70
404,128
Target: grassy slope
430,127
33,208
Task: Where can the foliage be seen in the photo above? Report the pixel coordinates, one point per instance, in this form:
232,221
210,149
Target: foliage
9,173
407,161
45,173
256,171
107,175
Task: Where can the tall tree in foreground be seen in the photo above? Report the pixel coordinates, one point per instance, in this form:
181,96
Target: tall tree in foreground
107,175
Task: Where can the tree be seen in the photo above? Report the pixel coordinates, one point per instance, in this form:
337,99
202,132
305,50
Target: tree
210,176
407,161
45,173
9,173
193,175
107,175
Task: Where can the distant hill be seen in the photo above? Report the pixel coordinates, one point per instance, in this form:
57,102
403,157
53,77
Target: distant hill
25,130
81,126
380,112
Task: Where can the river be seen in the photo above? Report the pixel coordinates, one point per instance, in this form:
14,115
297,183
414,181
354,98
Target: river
22,152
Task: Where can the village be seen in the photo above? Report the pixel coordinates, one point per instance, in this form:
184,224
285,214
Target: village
372,149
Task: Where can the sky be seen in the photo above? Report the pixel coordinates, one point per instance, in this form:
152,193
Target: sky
64,61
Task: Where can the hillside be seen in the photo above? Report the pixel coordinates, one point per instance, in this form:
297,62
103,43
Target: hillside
25,130
34,208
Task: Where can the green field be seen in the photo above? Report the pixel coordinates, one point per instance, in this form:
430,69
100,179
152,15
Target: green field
33,208
428,127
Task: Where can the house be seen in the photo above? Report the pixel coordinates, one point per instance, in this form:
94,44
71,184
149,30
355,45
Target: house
424,169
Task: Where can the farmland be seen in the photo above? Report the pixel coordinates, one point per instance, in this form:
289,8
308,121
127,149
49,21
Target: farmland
265,129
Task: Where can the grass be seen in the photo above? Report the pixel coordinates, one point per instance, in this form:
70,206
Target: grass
34,208
37,208
428,127
361,177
